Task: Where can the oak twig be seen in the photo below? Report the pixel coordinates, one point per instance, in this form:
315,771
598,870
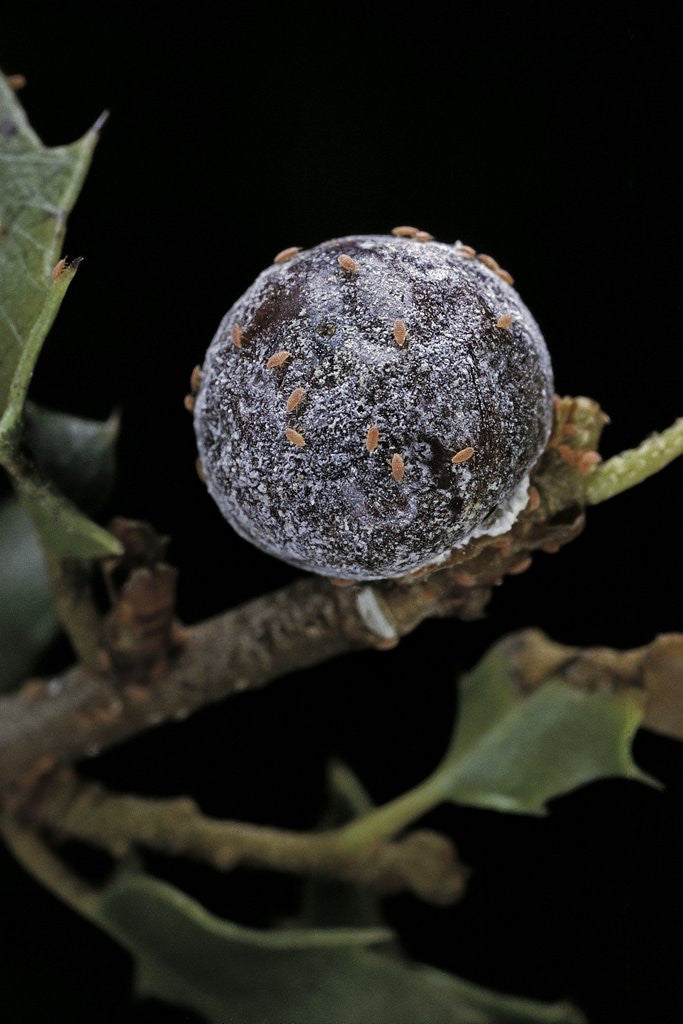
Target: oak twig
635,465
47,868
78,714
423,862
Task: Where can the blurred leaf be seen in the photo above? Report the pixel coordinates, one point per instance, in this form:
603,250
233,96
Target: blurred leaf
346,796
38,188
236,975
28,619
64,531
513,752
329,901
77,455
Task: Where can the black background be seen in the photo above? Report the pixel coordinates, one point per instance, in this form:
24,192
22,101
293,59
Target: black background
545,136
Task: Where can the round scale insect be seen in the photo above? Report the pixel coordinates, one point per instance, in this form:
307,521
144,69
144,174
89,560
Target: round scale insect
372,403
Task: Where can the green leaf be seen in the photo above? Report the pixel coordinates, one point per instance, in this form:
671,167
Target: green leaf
79,455
63,530
236,975
28,619
514,752
38,188
75,454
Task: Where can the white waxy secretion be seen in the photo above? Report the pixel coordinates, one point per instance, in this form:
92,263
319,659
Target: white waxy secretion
359,480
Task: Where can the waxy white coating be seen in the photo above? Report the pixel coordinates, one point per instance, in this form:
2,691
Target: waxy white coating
330,505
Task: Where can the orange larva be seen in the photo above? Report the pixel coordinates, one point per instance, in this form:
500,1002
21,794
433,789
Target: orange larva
534,499
278,359
488,261
587,461
347,264
200,470
372,438
294,437
57,269
398,468
16,82
423,236
195,379
404,231
504,276
386,645
505,320
463,455
294,399
400,333
236,334
503,544
287,254
568,454
520,566
188,402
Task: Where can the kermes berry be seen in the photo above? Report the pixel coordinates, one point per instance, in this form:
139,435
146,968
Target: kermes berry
369,404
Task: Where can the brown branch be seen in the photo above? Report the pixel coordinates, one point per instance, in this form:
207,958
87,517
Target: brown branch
424,862
139,631
77,714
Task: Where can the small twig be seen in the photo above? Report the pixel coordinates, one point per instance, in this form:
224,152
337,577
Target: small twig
46,868
139,631
424,862
635,465
71,587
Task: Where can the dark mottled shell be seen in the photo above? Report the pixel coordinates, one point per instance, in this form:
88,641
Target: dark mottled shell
459,381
